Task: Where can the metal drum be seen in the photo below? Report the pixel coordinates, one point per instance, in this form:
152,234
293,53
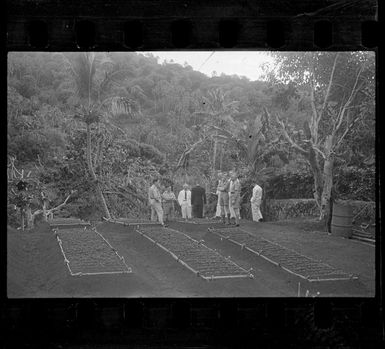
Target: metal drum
342,220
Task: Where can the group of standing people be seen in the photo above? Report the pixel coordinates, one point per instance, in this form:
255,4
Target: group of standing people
191,202
229,199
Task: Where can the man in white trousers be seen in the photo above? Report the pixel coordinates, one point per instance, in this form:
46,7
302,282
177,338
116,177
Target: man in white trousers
218,210
223,197
256,200
184,199
235,197
155,201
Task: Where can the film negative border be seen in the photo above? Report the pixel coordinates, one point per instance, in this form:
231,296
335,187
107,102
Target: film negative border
37,25
354,29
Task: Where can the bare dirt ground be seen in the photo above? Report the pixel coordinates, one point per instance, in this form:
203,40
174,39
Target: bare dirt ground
36,268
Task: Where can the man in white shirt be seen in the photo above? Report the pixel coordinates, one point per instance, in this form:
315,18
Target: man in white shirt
256,200
218,210
184,199
155,201
235,197
223,197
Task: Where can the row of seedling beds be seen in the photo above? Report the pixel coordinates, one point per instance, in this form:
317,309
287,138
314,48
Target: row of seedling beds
288,259
194,255
87,252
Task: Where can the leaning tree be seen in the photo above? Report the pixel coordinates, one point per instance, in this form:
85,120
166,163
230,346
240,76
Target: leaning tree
333,92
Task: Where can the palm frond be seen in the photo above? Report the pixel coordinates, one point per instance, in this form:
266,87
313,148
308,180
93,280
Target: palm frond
124,105
113,77
234,104
104,60
82,67
136,91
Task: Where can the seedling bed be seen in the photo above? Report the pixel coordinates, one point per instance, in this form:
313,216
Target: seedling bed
289,260
131,221
194,255
67,222
86,252
199,221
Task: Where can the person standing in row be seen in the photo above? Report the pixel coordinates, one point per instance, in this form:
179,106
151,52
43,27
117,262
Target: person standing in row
223,197
184,199
256,200
198,200
218,207
155,201
168,203
235,196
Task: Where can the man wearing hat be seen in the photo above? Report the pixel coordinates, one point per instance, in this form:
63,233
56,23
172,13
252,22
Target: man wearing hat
184,199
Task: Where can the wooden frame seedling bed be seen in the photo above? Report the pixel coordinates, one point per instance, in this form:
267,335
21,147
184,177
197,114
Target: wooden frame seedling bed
122,222
120,259
67,222
201,221
199,270
289,260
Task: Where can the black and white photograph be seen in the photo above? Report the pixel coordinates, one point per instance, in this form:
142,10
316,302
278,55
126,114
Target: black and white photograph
191,174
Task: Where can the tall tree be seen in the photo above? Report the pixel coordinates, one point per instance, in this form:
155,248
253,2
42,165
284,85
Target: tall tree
94,77
338,93
219,110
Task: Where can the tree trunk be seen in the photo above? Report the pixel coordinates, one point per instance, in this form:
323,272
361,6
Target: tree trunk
45,204
317,178
221,151
29,218
263,206
93,175
215,151
328,182
22,218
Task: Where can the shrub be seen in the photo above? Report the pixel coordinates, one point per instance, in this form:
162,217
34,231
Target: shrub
351,183
355,183
150,152
290,186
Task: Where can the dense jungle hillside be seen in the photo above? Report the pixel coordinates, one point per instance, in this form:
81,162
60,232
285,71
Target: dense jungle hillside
91,130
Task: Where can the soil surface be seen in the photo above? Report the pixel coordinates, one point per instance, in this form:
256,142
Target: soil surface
36,266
